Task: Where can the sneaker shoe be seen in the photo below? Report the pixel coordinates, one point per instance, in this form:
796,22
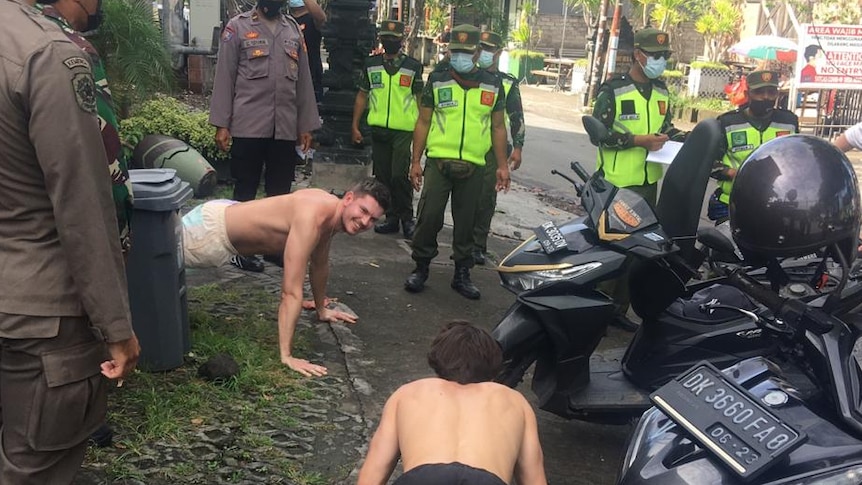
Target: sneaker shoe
246,263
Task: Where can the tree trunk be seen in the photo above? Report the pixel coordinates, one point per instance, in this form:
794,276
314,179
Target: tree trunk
415,22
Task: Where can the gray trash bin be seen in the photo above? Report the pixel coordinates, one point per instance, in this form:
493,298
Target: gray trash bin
156,269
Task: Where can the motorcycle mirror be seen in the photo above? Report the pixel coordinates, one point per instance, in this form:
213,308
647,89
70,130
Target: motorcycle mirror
715,240
595,129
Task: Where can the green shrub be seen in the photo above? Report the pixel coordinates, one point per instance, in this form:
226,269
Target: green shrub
522,53
710,65
671,74
167,116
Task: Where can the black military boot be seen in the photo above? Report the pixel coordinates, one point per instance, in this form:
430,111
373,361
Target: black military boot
479,257
462,284
387,227
408,227
416,281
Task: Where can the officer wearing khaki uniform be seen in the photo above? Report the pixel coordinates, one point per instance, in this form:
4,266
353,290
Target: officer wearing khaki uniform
263,98
62,285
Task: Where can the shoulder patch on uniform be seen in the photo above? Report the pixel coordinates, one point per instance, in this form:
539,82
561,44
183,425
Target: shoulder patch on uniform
74,62
227,34
85,91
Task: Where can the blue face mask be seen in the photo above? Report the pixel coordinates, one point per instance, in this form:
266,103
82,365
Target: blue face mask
296,3
462,62
485,59
654,67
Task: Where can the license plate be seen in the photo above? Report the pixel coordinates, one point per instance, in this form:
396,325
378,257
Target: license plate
726,420
550,237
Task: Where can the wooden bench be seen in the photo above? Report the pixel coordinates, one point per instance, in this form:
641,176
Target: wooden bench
545,74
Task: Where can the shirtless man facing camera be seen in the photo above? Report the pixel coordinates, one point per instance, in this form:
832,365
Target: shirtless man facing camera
298,226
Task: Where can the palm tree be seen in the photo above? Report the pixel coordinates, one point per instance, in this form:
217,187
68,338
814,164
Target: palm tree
136,58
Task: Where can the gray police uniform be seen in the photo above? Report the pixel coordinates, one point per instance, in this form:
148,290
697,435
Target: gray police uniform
62,284
264,95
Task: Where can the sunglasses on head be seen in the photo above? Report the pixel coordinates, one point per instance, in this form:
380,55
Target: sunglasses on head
657,55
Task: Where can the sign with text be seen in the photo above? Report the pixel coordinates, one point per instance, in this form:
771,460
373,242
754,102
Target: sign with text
830,56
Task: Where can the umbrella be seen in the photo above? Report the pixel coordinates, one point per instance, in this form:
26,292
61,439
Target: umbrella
766,47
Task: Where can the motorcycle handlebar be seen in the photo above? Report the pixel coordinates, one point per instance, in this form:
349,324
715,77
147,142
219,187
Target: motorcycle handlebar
751,287
578,169
795,313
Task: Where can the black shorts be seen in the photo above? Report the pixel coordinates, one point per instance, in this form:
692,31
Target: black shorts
448,474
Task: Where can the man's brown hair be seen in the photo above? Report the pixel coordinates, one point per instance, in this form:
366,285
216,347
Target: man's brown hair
373,187
465,354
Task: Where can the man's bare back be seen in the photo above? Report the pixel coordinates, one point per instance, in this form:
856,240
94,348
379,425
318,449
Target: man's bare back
441,421
262,226
458,427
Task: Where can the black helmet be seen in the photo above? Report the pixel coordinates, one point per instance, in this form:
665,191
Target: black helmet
792,196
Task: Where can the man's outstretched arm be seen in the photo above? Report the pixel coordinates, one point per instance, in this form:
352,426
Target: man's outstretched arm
304,236
383,452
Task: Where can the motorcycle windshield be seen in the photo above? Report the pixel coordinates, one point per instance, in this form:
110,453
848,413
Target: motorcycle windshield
626,213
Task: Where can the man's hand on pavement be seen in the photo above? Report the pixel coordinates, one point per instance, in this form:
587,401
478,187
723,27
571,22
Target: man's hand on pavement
332,316
222,139
124,357
304,367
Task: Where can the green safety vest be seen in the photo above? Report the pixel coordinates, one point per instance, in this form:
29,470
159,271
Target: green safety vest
391,101
461,122
742,139
628,167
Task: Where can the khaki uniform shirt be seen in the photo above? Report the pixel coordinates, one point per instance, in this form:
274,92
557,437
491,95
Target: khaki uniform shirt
59,244
263,84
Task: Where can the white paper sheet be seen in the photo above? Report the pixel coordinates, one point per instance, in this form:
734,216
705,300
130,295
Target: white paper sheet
666,154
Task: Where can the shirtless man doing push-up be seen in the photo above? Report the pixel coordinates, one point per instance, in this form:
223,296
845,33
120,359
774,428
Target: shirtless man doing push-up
458,427
300,226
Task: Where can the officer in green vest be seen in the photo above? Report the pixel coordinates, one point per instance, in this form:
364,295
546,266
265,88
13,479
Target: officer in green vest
461,117
745,129
390,86
636,109
490,48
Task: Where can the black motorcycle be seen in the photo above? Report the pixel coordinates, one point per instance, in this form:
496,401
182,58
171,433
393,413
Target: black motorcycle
792,418
560,316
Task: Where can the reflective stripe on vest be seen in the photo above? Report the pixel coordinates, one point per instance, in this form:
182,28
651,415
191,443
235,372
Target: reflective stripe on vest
507,85
391,103
461,122
742,139
625,168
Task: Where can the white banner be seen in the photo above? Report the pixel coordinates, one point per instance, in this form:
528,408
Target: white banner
830,56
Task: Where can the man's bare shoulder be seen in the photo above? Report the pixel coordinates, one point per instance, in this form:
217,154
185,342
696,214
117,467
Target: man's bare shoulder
433,384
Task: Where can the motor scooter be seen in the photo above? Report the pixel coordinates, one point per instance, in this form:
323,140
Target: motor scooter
792,418
560,315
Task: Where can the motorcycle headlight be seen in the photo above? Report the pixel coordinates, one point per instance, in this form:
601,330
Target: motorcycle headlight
843,476
530,280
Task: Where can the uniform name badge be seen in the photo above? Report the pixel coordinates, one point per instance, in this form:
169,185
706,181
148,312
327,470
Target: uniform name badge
292,49
375,79
445,98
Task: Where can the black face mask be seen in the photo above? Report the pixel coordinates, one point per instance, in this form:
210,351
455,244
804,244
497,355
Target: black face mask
761,107
94,20
391,46
270,8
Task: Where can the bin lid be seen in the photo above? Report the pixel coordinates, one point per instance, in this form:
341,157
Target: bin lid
158,189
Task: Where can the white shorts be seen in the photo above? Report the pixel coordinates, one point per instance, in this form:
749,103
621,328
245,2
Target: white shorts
205,241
